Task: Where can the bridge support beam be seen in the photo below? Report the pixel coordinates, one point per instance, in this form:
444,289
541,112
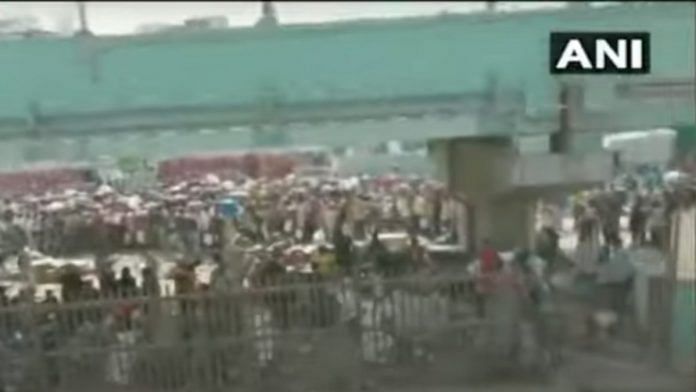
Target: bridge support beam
501,186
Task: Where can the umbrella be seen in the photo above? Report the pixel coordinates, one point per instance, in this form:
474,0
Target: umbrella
230,208
104,190
212,179
69,192
55,206
195,203
133,202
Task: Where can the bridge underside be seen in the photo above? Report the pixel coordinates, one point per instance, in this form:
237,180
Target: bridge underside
293,84
161,133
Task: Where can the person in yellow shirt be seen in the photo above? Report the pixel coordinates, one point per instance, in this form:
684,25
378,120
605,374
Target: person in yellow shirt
325,261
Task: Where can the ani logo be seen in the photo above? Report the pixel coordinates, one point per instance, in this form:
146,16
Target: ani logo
599,53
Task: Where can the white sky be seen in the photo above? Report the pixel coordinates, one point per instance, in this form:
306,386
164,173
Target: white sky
125,17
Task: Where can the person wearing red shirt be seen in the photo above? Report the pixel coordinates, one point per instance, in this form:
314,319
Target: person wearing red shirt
489,262
489,258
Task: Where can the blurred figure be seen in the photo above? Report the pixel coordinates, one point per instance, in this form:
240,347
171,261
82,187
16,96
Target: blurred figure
637,221
126,283
150,282
657,223
505,309
50,298
588,247
484,270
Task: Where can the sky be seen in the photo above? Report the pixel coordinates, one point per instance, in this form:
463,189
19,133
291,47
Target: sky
125,17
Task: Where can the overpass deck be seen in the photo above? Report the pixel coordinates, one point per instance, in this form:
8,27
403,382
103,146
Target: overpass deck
490,68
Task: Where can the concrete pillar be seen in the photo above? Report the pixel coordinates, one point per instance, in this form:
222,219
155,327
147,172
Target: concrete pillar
480,170
501,184
508,223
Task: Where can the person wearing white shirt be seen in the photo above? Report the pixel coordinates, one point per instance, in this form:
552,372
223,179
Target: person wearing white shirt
419,212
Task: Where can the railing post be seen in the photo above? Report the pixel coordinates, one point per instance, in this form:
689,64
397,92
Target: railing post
35,337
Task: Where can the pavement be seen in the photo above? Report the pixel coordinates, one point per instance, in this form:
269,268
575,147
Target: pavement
585,372
594,373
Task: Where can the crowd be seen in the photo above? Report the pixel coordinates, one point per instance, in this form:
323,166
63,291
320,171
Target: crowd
598,215
277,220
300,231
254,233
74,222
616,229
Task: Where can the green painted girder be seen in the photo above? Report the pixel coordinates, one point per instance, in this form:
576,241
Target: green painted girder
254,115
68,84
162,144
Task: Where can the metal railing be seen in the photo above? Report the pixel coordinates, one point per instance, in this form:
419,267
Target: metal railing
300,334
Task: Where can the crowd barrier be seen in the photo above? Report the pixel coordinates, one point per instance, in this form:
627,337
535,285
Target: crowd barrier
303,335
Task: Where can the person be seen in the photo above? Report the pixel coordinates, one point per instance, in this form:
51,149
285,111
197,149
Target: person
610,208
378,255
108,283
361,212
185,278
548,244
126,283
505,306
487,265
311,214
532,269
325,261
417,254
657,224
343,244
637,221
419,211
185,283
436,219
489,257
50,298
587,250
4,299
12,237
150,283
615,277
71,284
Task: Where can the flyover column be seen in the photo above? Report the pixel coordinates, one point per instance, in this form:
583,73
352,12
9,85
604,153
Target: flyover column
508,222
480,170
